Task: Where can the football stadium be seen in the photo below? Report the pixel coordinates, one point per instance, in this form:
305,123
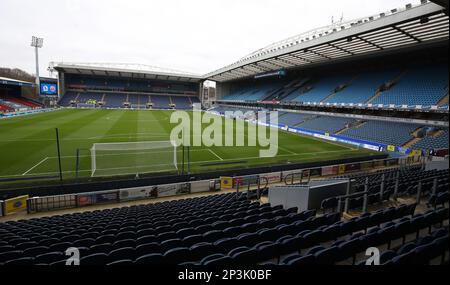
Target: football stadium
326,148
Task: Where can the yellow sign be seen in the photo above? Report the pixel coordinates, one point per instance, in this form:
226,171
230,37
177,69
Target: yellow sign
415,153
226,183
342,169
15,205
391,148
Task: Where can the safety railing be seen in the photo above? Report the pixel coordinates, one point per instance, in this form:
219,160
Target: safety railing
382,182
259,182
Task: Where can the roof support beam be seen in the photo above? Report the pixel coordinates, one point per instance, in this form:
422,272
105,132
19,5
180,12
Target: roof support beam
319,54
341,49
269,65
369,42
301,58
254,68
407,34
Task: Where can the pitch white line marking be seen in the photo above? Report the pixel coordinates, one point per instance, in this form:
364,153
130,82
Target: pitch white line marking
285,149
215,154
195,162
31,169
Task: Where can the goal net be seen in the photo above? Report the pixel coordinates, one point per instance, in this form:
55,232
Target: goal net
111,159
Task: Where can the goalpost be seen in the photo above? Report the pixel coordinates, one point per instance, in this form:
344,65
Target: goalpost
110,159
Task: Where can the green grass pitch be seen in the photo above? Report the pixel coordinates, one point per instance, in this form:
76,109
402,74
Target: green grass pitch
28,145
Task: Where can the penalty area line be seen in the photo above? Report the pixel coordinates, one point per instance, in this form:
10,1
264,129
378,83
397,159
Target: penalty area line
215,154
31,169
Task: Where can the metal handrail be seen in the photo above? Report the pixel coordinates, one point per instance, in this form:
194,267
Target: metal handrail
366,192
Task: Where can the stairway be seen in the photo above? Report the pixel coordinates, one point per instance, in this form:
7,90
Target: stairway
358,124
343,130
411,142
328,97
306,120
435,134
341,88
377,94
444,100
391,84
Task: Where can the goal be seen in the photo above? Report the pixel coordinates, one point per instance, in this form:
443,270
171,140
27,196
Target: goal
113,159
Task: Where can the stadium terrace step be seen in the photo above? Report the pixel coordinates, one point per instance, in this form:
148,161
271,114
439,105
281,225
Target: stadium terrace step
339,89
444,101
412,142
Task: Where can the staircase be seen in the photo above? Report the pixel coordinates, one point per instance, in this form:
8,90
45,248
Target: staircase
436,133
306,120
377,94
391,84
444,100
328,97
356,125
343,130
295,86
271,94
341,88
411,142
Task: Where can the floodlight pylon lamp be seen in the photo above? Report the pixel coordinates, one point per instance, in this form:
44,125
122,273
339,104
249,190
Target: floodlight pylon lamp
37,42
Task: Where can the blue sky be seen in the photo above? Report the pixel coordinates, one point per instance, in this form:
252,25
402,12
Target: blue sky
197,35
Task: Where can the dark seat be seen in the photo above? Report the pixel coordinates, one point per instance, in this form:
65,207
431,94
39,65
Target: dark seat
35,251
302,260
201,250
148,248
50,257
177,256
94,259
122,254
212,257
20,261
221,261
150,259
125,262
100,248
246,257
327,256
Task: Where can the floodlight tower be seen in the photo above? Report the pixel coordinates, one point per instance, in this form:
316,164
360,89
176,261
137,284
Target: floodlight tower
37,43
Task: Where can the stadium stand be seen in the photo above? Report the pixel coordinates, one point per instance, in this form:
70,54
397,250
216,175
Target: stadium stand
411,86
323,88
228,229
4,108
115,100
293,119
254,91
21,101
385,132
423,85
160,102
434,142
326,124
363,88
389,133
182,103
